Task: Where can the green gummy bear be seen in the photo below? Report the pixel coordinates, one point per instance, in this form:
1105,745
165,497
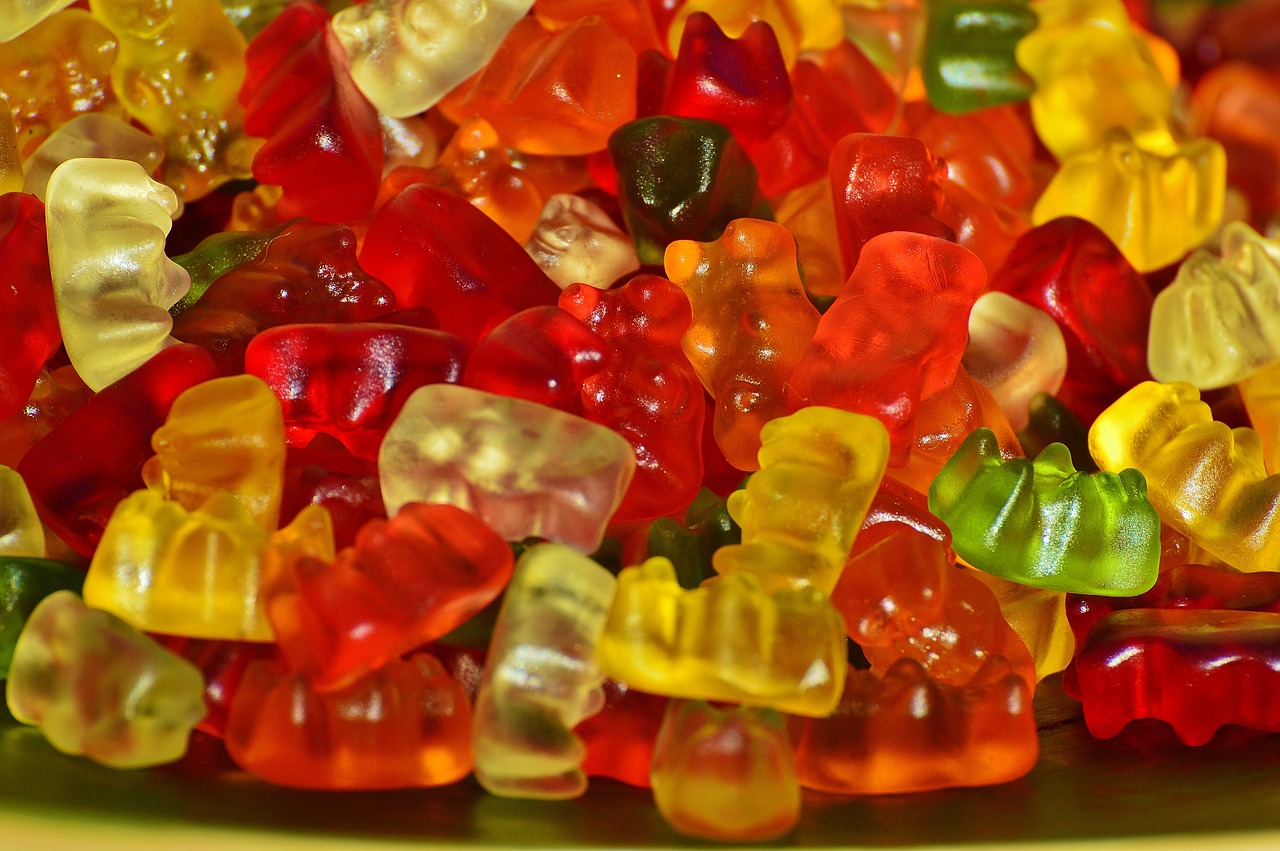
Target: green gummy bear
707,527
1050,421
968,61
681,178
1042,523
24,582
218,254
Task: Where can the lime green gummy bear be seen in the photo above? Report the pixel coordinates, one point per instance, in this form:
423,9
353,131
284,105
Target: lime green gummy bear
1042,523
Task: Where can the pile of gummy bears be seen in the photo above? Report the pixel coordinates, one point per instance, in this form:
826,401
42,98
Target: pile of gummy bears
728,397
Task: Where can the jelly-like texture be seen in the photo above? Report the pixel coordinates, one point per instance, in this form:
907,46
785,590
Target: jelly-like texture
90,135
407,54
727,640
222,436
195,572
112,283
525,469
540,677
24,582
1219,321
907,733
1042,523
1017,351
968,61
178,69
404,725
1205,479
96,686
29,331
21,533
819,470
575,241
751,324
725,774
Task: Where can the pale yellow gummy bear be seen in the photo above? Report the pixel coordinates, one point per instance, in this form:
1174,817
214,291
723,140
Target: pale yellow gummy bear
1219,321
407,54
819,470
112,283
18,16
21,534
1205,479
92,135
10,158
1016,351
575,242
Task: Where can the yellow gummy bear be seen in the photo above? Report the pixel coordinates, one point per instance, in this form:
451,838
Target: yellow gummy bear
222,435
21,534
55,71
728,640
1260,393
1219,321
1093,73
1204,479
179,69
1154,207
10,159
18,16
91,135
165,569
407,54
1039,616
819,470
112,283
800,25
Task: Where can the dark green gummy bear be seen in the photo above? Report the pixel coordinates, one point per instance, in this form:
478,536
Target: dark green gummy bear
24,582
968,61
681,178
1050,421
707,527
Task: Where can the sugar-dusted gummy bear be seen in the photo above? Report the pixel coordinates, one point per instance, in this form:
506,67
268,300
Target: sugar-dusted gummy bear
819,470
904,732
93,134
24,582
525,469
96,686
1219,321
540,677
74,484
436,250
968,61
224,435
751,324
403,725
727,640
323,143
715,184
1205,479
904,598
407,54
1017,351
895,334
177,72
195,572
1042,523
1155,206
725,774
322,376
112,283
575,241
29,331
404,582
55,71
1195,669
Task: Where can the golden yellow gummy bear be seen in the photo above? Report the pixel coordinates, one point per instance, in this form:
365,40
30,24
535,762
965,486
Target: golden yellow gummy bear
727,640
179,69
1219,321
819,469
1154,207
1204,479
222,435
1093,73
